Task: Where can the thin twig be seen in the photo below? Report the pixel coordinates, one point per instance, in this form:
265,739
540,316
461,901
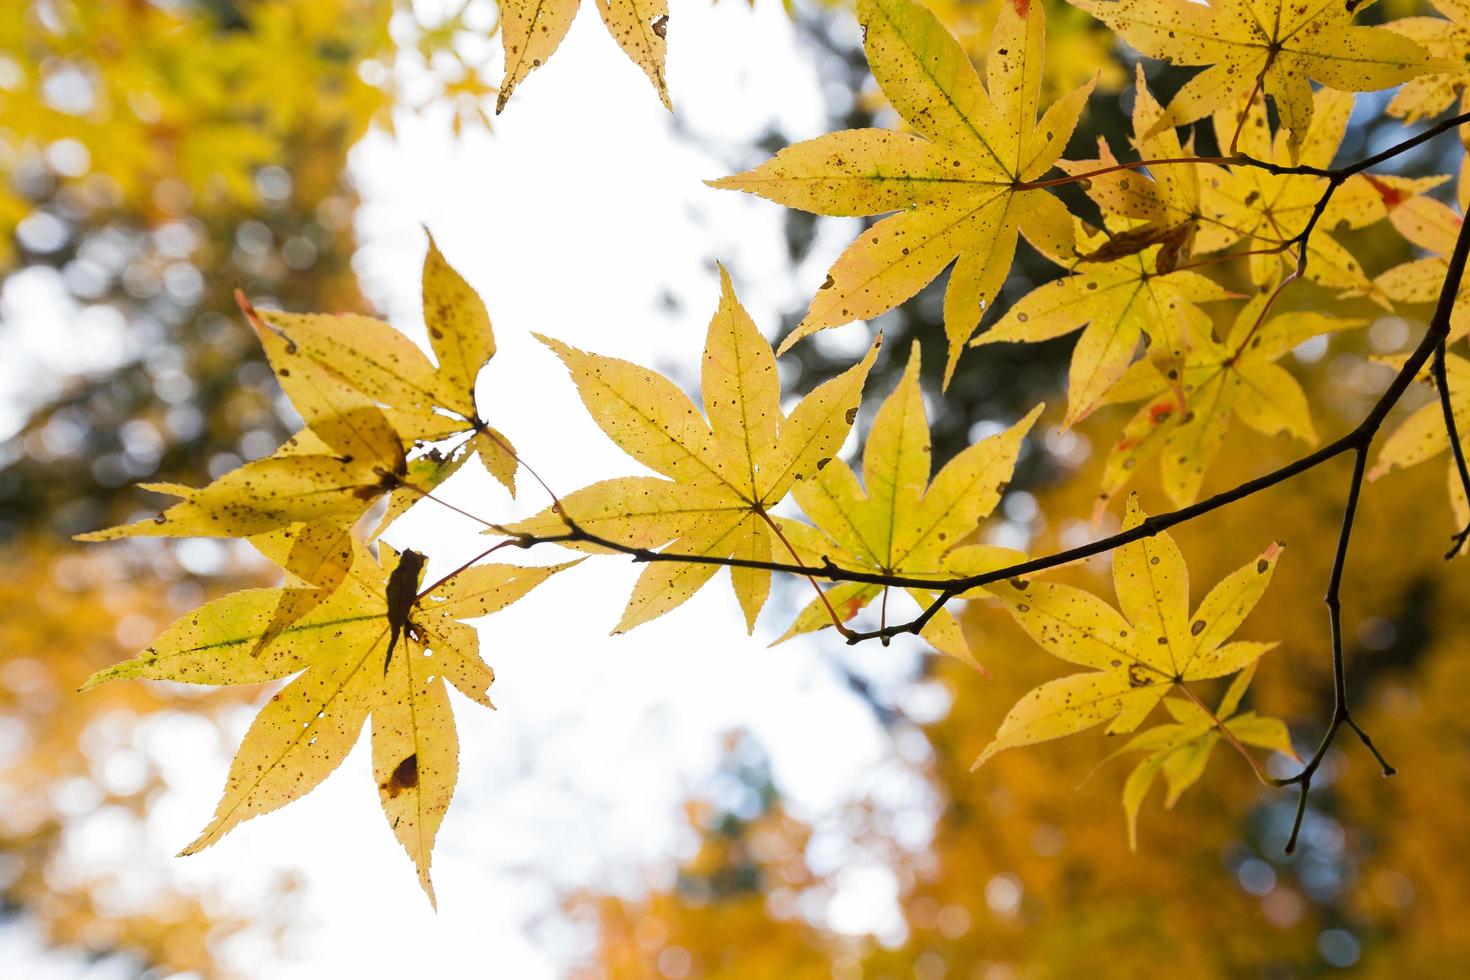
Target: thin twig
1433,344
1457,451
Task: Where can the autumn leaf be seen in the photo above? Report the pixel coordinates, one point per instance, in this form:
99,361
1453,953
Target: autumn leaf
1275,45
1163,200
531,31
896,522
1181,750
957,185
1427,96
1236,378
1127,283
1423,436
338,652
1138,654
1432,226
331,364
721,477
1116,303
1267,210
329,475
366,392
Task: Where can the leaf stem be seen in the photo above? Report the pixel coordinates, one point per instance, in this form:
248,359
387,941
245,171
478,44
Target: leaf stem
1230,737
837,623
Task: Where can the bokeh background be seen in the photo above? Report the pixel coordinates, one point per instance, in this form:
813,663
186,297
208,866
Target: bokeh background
682,801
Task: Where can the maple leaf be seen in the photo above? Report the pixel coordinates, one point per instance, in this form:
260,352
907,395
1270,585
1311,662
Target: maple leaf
332,364
365,390
316,559
338,651
1423,436
1280,46
1117,303
723,476
1446,40
1181,750
328,475
899,523
1239,377
1163,199
1268,210
958,185
531,31
1139,654
1127,284
1432,226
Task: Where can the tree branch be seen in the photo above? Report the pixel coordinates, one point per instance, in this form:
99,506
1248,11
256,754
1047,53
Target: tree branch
1457,451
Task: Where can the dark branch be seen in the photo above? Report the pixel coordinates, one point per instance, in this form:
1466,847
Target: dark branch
1457,451
1433,343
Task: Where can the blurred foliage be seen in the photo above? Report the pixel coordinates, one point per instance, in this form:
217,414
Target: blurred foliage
154,156
78,777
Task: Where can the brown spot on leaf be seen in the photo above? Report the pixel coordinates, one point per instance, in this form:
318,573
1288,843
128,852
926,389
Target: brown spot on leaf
405,776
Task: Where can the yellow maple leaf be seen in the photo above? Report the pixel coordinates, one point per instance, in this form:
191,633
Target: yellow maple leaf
531,31
1164,198
1128,281
723,475
957,186
1138,654
1427,96
899,523
1423,436
330,474
1266,210
1239,377
1116,303
330,364
367,393
1181,750
340,652
1432,226
1280,46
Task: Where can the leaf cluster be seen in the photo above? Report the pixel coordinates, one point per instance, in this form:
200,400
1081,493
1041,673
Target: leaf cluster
1143,281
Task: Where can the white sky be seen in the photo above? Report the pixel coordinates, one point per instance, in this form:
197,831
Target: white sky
574,218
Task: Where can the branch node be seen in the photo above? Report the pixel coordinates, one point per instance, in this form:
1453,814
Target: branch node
1383,764
1459,539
